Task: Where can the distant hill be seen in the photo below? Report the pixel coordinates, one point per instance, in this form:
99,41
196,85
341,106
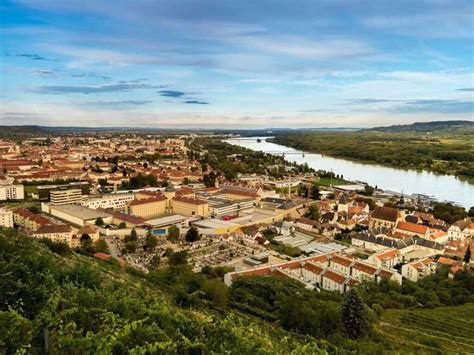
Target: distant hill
425,127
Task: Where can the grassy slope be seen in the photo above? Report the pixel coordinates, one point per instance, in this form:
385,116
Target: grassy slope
441,329
448,329
219,328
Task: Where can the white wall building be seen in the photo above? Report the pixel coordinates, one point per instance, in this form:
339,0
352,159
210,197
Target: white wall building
65,197
12,192
115,201
6,218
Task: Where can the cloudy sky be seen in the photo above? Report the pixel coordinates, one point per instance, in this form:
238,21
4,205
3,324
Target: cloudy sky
245,64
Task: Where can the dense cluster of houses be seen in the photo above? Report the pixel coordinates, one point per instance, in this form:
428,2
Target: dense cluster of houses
396,242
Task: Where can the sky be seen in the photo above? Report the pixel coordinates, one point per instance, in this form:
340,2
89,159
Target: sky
235,63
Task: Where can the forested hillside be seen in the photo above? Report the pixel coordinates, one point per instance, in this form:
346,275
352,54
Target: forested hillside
446,151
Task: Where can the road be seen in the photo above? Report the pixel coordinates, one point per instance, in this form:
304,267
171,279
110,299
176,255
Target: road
114,247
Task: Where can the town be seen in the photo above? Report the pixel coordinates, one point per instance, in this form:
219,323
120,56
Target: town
151,200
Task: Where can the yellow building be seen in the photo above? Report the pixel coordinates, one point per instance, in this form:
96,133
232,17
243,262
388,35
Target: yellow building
234,194
29,220
147,208
57,233
189,206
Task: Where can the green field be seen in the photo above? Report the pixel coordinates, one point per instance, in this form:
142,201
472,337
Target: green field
445,329
335,181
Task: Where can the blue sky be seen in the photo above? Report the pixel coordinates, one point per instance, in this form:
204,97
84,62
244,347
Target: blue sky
235,64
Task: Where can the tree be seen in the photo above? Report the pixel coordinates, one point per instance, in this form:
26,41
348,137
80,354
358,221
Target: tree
133,235
34,209
355,316
122,225
130,247
471,212
217,292
86,244
192,235
467,255
178,258
102,182
151,241
303,190
368,190
313,213
99,222
173,234
101,246
315,195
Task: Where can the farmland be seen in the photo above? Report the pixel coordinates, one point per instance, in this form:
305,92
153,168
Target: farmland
444,329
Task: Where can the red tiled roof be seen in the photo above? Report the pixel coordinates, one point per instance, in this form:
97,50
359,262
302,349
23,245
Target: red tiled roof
51,229
193,201
313,268
102,256
412,227
364,268
88,229
334,276
390,254
128,218
385,213
446,261
184,191
341,260
33,217
148,200
385,273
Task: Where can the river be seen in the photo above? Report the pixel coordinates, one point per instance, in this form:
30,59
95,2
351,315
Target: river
441,187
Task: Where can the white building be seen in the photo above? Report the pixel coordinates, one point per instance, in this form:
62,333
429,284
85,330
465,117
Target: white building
76,214
12,192
461,229
418,269
6,218
57,233
115,201
65,197
386,259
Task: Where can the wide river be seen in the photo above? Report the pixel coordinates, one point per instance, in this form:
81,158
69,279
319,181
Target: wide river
441,187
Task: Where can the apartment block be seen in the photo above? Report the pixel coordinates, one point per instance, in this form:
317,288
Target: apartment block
6,218
115,201
12,192
65,196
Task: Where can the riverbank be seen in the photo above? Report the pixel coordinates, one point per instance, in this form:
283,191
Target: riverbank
449,154
441,187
